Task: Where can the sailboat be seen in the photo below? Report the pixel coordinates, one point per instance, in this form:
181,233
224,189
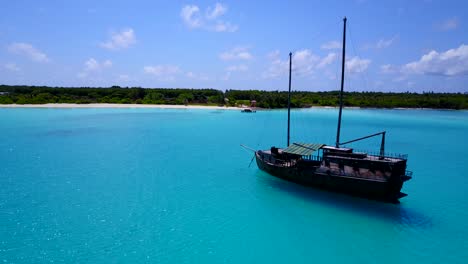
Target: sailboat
335,167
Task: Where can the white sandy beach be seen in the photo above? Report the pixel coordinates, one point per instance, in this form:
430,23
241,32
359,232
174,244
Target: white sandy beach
116,106
182,106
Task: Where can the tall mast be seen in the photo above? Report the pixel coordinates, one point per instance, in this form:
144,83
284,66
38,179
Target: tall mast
289,95
342,83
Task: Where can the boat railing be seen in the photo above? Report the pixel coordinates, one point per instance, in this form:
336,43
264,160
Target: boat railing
376,155
314,158
288,163
270,159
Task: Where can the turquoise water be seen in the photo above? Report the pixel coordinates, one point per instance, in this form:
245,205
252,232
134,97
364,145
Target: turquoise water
174,186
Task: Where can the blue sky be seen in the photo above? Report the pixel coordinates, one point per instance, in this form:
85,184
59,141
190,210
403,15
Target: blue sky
392,45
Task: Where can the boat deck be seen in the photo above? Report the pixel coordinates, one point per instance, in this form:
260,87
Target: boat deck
390,159
334,168
360,173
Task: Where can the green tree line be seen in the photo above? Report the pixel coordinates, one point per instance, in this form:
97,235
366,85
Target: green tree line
300,99
264,99
113,95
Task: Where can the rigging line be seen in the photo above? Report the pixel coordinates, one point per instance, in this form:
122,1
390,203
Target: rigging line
299,117
337,72
247,148
251,161
338,64
293,115
337,67
365,78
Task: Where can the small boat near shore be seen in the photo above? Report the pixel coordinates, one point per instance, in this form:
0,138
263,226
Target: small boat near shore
248,110
378,176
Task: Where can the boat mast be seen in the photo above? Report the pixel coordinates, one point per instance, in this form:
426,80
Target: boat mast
342,83
289,96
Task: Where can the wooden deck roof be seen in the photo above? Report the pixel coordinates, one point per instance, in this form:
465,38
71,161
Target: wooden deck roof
303,149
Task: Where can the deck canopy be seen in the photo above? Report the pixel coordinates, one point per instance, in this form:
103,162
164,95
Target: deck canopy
303,149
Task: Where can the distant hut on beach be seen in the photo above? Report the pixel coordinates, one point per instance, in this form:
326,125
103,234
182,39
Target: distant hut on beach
253,103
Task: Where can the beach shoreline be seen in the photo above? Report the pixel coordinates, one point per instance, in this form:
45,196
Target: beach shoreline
118,106
208,107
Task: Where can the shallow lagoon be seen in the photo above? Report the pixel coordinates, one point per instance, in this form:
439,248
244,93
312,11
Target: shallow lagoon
171,186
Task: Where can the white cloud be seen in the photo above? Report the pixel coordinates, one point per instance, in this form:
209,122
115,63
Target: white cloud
163,72
388,69
329,59
452,62
12,67
234,68
273,55
190,15
93,67
382,43
218,10
239,53
107,63
237,68
303,63
357,65
331,45
193,18
28,50
277,66
192,75
449,24
121,40
225,27
385,43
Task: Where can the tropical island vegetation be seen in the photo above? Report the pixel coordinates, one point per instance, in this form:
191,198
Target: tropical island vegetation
264,99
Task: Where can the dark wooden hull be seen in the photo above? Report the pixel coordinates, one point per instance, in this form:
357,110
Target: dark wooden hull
388,191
